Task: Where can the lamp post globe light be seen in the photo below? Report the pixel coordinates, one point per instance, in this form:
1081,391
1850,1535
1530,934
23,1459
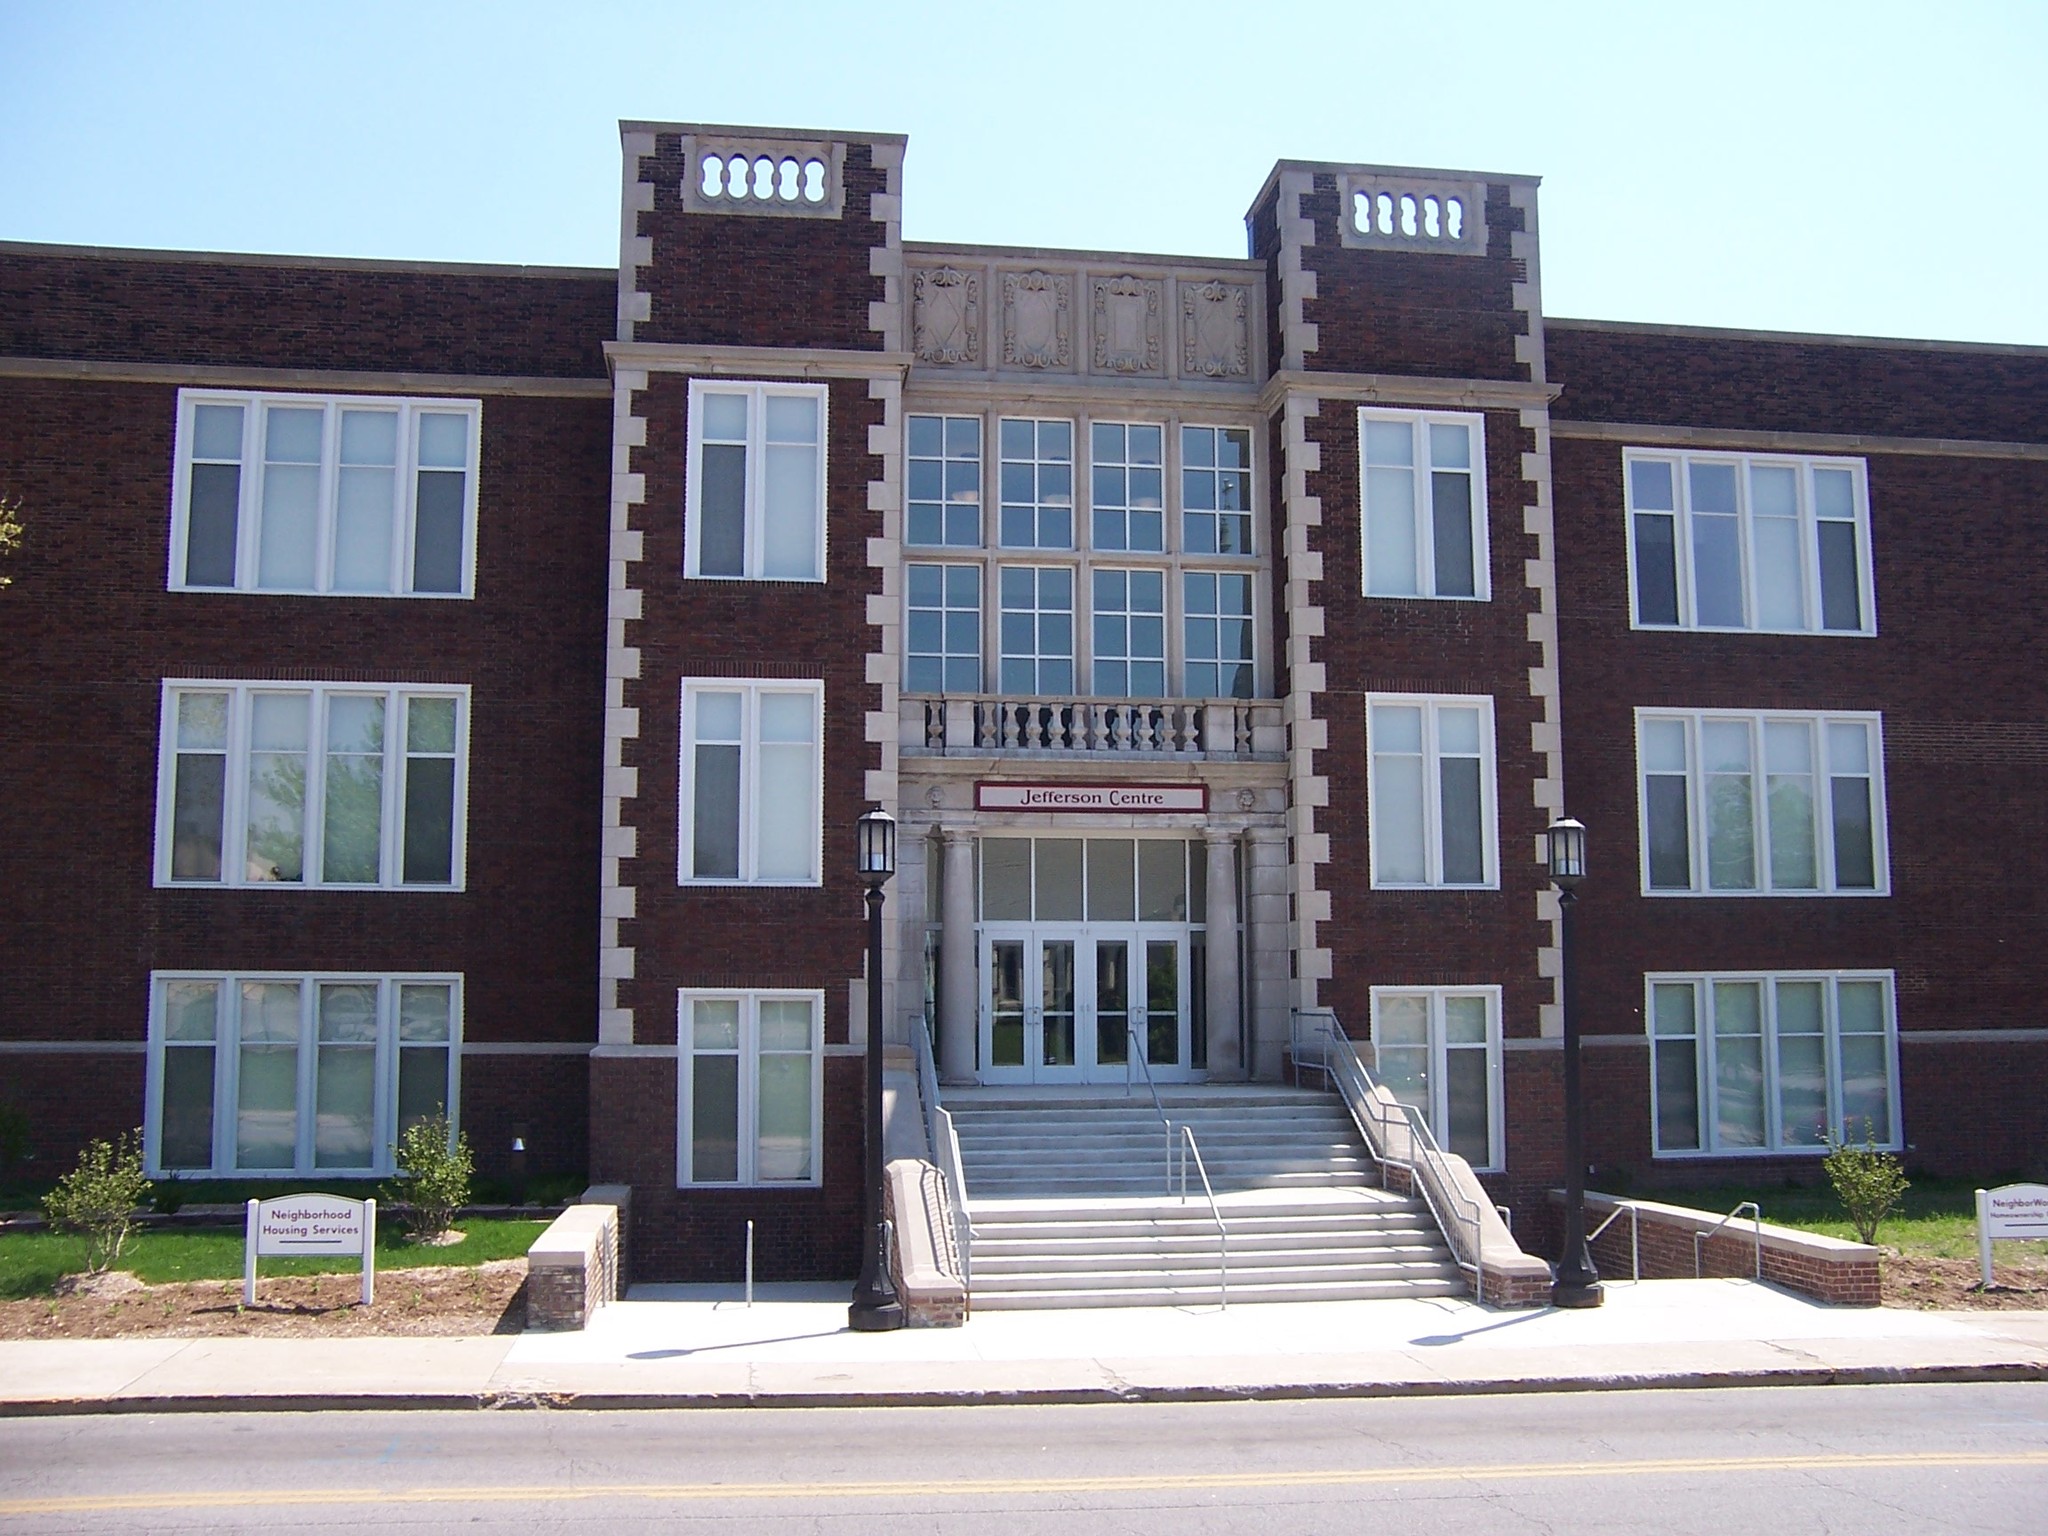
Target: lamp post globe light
1577,1282
875,1307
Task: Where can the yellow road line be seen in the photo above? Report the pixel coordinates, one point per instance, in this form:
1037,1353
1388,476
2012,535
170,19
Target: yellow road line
969,1488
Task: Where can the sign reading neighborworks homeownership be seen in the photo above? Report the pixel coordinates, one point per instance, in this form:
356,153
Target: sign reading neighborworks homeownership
2015,1213
298,1225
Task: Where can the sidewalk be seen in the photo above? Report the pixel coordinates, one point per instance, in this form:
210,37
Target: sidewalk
691,1346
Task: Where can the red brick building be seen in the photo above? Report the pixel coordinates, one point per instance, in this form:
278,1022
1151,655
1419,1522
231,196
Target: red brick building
437,685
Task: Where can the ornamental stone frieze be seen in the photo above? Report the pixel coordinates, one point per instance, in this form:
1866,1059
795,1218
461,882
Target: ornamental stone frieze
1127,323
946,316
1038,320
1215,324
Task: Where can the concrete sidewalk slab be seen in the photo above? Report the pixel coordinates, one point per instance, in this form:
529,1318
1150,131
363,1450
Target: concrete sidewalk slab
692,1346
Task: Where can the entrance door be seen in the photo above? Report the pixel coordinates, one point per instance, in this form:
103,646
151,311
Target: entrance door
1060,1005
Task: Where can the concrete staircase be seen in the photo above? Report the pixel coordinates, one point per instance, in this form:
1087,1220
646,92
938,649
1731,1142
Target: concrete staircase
1067,1196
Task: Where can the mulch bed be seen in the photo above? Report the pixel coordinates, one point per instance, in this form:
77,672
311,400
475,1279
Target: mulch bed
473,1299
1932,1284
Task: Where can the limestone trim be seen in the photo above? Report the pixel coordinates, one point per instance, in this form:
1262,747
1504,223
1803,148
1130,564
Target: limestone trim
1525,246
1192,397
1408,389
74,1047
636,251
154,256
320,380
756,362
886,314
1412,211
882,732
1298,337
1307,733
1799,338
617,894
1637,434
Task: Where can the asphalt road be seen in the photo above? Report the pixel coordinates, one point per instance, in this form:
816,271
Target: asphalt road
1800,1459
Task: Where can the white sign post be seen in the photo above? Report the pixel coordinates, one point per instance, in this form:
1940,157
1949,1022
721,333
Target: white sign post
2016,1212
302,1224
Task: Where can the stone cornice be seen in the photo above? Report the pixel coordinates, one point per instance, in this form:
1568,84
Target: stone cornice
757,362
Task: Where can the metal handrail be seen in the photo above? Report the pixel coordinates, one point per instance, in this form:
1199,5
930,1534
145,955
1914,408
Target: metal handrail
944,1142
1134,1051
1184,1149
1338,1061
1635,1249
1699,1239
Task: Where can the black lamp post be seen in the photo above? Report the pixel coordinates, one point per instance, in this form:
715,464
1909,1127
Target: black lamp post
1577,1282
875,1307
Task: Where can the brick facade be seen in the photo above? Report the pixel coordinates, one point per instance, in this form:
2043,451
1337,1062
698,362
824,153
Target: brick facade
574,935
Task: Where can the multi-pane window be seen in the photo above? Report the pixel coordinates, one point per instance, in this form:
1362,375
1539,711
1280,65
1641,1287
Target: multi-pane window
756,498
280,1074
1217,617
334,784
945,481
1216,490
1146,599
1432,790
1749,541
1036,484
751,782
943,646
1425,503
750,1088
1762,803
1036,628
1437,1050
351,495
1773,1063
1127,485
1130,633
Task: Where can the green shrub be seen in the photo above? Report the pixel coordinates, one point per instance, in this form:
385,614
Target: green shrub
434,1178
99,1197
1869,1183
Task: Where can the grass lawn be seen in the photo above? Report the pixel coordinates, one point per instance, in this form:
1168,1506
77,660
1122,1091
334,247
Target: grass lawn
1937,1219
33,1262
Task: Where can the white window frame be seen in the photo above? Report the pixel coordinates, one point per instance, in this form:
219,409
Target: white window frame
757,394
227,1069
250,499
1697,810
235,806
1889,1137
946,460
1424,509
1438,1112
944,655
749,1053
750,747
1432,792
1805,465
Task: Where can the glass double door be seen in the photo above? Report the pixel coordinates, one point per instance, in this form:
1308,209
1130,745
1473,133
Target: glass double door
1064,1004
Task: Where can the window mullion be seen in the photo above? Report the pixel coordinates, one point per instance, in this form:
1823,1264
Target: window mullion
1439,1070
1432,800
313,813
748,1087
1831,1036
1424,509
754,515
404,505
1767,1019
750,773
308,1062
390,831
384,1093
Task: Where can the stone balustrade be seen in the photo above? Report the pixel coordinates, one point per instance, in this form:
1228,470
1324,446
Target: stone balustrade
995,724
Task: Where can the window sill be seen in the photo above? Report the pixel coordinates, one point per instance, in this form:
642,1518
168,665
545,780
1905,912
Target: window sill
372,597
1851,895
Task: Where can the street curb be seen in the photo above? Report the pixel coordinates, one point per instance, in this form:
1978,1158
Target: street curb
617,1402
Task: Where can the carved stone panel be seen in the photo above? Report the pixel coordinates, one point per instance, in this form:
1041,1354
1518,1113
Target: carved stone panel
1038,320
1127,324
946,315
1215,330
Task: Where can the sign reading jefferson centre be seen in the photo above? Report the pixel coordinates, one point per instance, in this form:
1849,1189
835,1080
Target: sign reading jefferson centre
1123,799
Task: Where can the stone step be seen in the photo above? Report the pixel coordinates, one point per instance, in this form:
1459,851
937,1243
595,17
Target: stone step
1191,1294
993,1270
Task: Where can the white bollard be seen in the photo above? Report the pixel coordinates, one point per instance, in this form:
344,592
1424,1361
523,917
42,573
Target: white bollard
750,1263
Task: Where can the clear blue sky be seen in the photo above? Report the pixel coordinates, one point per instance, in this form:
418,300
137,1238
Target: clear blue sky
1874,168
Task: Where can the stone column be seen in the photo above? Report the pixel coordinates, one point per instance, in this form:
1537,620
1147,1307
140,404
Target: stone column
959,998
1225,1062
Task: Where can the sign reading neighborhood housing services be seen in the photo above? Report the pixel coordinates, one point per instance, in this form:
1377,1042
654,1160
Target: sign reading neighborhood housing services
310,1224
1141,799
